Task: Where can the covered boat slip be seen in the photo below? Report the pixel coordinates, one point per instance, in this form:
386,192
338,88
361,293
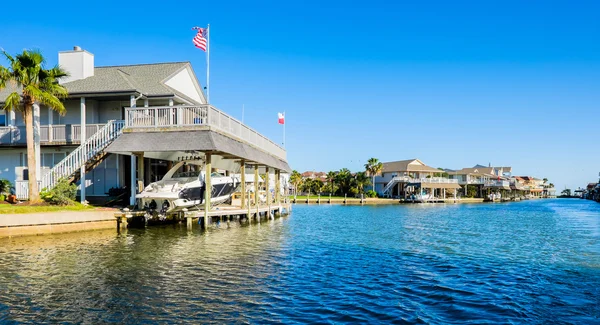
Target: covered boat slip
435,189
219,140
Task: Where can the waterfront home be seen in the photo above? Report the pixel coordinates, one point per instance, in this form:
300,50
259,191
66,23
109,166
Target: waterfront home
473,180
150,113
405,177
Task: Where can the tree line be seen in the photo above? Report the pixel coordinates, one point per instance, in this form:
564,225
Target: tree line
341,182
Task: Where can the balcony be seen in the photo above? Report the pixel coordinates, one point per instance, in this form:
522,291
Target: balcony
49,134
174,118
498,184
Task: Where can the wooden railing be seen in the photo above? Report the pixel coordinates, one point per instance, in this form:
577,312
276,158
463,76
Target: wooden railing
200,115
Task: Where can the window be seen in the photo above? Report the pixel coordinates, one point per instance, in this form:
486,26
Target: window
2,118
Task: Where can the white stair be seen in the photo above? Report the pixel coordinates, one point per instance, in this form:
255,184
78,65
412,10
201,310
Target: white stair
390,185
87,152
83,154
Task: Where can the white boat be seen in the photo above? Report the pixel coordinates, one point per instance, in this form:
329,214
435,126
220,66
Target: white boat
422,197
183,187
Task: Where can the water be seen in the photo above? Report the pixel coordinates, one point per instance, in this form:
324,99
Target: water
524,262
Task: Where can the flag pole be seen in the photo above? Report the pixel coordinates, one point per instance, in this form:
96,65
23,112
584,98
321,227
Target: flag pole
207,63
284,129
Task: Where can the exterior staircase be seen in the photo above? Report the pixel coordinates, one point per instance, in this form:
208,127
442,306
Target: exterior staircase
89,154
390,185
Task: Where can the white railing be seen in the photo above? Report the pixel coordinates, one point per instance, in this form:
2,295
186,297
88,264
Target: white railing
80,156
437,180
174,116
67,167
51,133
497,183
423,180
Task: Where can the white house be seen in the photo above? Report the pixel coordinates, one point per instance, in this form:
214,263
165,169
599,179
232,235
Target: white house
97,95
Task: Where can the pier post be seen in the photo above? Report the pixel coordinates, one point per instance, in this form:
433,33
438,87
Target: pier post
268,188
208,188
243,172
256,189
188,218
278,186
122,220
249,216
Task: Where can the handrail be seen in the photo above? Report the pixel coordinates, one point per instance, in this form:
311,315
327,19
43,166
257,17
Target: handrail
195,115
80,156
408,179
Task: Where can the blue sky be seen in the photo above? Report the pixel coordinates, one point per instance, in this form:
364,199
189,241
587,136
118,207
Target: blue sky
453,83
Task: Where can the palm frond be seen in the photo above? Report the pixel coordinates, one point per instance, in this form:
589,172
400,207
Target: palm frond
13,102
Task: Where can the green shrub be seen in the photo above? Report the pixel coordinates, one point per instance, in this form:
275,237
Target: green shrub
352,192
2,198
62,194
6,187
371,193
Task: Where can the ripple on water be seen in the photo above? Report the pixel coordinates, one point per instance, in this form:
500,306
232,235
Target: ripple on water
526,262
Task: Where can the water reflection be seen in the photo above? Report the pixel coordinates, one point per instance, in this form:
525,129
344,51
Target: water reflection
523,262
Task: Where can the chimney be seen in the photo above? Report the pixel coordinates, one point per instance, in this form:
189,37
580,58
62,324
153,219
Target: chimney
78,63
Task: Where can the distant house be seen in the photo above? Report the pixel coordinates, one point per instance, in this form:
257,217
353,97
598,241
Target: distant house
398,178
315,175
476,177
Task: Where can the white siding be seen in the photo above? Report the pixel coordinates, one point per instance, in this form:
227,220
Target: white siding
184,82
9,159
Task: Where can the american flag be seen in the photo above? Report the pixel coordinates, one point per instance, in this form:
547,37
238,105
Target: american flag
200,38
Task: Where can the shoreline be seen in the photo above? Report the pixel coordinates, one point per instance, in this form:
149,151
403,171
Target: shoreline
373,201
44,223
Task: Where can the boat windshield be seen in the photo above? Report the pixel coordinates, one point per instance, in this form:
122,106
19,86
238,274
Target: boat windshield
187,170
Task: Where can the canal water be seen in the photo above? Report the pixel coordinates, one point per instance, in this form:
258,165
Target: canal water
523,262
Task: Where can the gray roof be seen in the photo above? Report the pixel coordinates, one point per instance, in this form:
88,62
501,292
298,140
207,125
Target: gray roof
205,141
147,79
406,166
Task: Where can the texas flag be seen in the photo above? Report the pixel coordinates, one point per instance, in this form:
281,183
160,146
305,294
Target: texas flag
281,118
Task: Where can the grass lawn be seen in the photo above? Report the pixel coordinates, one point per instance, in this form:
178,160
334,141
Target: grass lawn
19,208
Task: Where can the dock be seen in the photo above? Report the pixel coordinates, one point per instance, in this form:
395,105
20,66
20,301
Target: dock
222,213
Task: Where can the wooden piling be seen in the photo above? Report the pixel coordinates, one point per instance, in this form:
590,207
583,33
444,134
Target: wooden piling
208,188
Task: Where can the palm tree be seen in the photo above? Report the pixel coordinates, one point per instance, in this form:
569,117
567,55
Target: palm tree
344,180
373,167
296,179
331,178
361,180
33,84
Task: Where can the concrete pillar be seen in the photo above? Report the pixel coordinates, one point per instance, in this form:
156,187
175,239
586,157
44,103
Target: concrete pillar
243,178
208,188
82,136
132,184
277,186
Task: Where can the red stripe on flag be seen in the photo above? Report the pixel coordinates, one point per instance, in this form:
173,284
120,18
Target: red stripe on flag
200,38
